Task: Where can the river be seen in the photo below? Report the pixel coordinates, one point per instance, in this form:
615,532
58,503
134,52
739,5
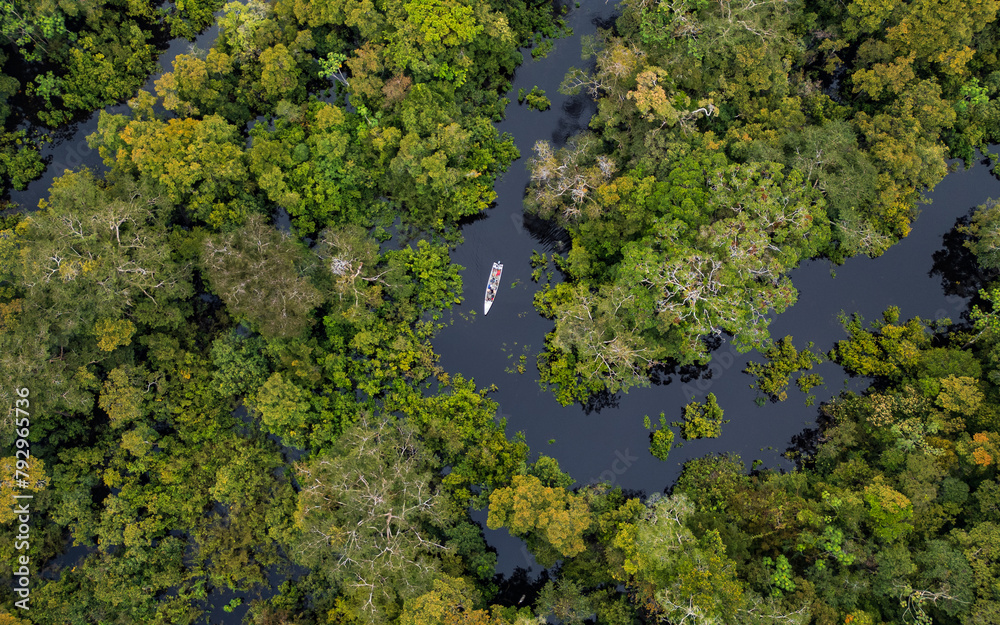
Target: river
609,442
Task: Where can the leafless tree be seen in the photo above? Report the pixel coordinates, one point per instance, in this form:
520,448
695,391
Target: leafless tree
563,181
256,271
371,506
351,258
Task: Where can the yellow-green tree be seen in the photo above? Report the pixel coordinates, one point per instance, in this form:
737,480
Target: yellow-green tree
453,601
285,408
113,333
888,510
554,515
33,474
678,576
121,397
280,72
195,163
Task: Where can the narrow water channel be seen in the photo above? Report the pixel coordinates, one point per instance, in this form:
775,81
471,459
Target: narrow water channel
69,149
609,442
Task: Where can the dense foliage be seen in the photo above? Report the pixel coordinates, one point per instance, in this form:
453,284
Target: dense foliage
61,59
179,350
217,402
732,140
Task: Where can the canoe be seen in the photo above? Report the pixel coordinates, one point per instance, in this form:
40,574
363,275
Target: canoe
492,286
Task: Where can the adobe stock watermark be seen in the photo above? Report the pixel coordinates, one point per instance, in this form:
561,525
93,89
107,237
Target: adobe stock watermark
22,508
71,155
518,220
722,361
621,463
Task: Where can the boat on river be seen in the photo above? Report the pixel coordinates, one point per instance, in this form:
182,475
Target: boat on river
492,285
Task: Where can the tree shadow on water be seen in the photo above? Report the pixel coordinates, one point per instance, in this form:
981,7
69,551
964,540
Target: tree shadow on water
551,235
609,22
468,220
690,373
577,111
956,265
805,444
601,400
661,373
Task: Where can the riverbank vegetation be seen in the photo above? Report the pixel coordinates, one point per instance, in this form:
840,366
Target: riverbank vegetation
890,517
204,384
62,60
733,140
229,414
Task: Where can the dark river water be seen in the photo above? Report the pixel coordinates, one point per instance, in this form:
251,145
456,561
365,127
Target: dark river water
609,442
69,149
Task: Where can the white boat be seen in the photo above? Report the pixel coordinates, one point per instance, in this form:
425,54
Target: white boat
492,285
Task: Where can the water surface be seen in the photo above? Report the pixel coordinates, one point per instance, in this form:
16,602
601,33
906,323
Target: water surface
606,440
